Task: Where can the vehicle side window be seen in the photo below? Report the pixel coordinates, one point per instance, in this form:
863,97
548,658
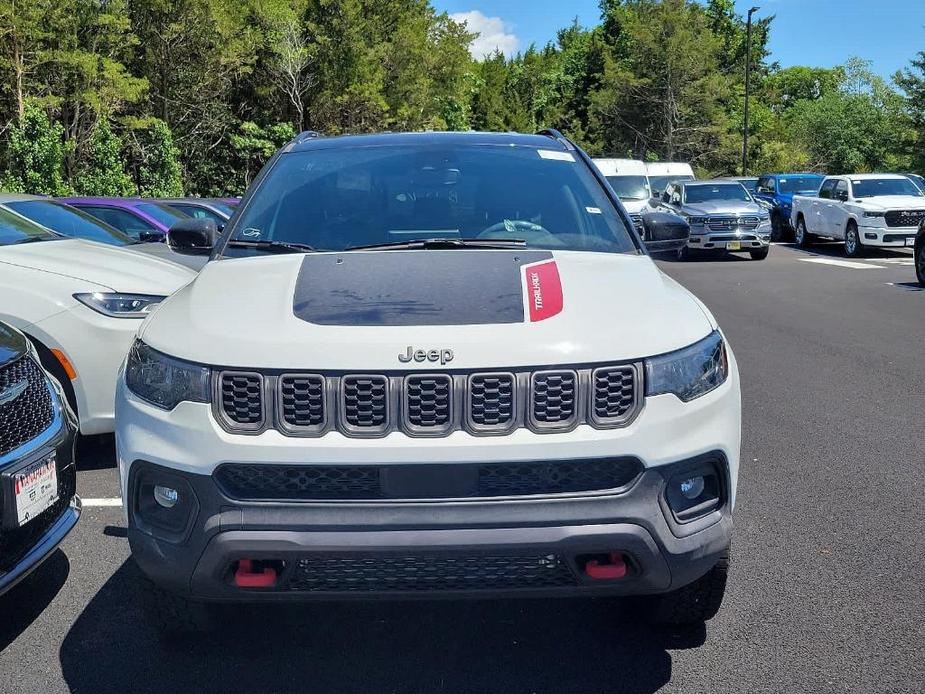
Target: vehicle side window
826,190
667,193
200,213
676,196
124,221
770,185
841,191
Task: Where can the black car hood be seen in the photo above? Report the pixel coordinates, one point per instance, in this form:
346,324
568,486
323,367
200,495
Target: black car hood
12,344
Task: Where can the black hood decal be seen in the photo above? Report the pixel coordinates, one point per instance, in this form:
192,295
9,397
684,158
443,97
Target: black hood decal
434,287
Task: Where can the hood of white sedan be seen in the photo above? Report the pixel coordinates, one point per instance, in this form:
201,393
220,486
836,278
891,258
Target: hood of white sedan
362,310
99,264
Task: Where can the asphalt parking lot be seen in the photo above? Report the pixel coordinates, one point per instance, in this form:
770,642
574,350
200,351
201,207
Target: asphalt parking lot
826,587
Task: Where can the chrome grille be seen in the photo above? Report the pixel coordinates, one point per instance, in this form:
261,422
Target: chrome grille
554,398
242,398
31,412
731,223
427,403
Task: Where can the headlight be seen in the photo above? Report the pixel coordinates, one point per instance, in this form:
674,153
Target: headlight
120,305
689,372
875,214
697,221
162,380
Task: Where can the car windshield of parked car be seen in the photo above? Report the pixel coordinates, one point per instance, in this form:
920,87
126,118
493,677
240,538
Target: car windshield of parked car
658,183
630,187
719,191
223,207
15,229
917,180
799,184
750,184
70,221
163,214
339,198
874,187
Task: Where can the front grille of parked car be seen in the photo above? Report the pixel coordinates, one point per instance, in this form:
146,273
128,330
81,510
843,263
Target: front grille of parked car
715,238
904,218
428,571
16,542
428,403
727,223
31,412
893,238
256,482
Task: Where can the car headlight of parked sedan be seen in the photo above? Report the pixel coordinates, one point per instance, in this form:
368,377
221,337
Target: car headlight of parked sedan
164,381
117,305
689,372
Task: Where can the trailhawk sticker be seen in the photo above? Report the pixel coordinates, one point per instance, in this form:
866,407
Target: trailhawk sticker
544,290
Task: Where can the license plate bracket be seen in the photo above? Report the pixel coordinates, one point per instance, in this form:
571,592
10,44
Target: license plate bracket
734,246
30,489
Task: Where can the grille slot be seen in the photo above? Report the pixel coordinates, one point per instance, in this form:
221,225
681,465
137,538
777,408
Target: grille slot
554,399
613,392
428,403
556,477
242,398
365,404
31,412
491,401
302,402
428,572
299,482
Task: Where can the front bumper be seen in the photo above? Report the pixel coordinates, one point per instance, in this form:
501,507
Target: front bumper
747,239
24,548
429,548
96,346
888,237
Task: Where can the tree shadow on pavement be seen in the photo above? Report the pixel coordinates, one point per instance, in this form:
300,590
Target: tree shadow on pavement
22,605
578,645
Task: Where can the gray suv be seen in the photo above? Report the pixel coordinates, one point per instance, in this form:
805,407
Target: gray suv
722,216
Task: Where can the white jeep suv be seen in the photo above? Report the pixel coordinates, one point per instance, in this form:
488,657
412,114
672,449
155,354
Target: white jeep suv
447,367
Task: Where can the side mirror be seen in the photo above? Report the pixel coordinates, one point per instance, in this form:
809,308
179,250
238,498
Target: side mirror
193,236
663,232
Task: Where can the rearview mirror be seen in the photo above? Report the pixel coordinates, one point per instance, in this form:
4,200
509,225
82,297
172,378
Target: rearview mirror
192,236
663,232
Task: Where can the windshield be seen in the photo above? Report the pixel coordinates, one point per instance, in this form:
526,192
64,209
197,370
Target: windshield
630,187
339,198
918,181
659,183
750,184
719,191
223,207
873,187
163,214
69,221
14,229
799,184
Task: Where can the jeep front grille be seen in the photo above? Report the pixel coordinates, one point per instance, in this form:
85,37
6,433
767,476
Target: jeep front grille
428,403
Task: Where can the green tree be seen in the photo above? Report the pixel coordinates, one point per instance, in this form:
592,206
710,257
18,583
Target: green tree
253,145
102,171
912,81
35,155
155,159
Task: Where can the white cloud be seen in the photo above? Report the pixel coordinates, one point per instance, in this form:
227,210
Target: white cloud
493,34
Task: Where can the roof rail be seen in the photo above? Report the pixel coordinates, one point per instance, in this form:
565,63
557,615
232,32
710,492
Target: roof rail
556,135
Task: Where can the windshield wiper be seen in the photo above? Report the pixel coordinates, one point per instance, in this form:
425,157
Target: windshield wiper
32,239
273,246
441,244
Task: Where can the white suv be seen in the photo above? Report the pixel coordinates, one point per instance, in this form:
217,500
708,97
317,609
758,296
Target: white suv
447,367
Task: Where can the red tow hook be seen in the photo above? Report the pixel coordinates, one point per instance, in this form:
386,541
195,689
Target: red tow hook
615,568
246,577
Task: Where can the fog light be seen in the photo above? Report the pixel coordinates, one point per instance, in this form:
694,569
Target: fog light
691,488
168,498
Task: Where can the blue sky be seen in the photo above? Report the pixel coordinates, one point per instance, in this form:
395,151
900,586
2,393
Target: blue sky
805,32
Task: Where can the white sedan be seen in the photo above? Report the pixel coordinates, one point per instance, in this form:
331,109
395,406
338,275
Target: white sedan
80,303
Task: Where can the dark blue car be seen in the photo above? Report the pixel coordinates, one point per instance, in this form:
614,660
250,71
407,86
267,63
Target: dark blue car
778,191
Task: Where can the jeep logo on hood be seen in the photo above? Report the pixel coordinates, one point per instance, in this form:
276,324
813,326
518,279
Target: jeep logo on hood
444,356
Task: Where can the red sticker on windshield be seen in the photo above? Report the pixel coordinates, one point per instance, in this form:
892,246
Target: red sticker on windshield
544,290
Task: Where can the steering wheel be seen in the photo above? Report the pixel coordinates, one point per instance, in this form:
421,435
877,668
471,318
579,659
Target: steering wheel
533,234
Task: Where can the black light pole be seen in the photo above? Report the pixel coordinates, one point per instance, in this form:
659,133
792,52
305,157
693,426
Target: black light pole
748,70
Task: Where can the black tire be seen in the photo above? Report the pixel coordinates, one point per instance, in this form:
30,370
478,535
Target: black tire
801,236
175,615
684,254
777,227
853,246
760,253
919,255
695,603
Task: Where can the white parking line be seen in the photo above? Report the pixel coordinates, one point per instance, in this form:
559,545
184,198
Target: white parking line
101,502
842,263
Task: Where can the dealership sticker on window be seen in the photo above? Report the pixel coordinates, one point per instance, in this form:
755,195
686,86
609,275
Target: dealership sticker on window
557,156
593,210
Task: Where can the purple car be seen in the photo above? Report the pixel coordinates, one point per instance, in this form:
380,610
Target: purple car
140,218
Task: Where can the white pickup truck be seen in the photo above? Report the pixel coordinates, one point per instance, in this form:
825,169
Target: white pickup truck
882,210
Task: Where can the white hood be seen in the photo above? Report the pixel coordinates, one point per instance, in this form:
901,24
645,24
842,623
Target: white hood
360,310
893,202
100,264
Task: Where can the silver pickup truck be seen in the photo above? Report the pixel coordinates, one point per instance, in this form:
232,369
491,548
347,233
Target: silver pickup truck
722,216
